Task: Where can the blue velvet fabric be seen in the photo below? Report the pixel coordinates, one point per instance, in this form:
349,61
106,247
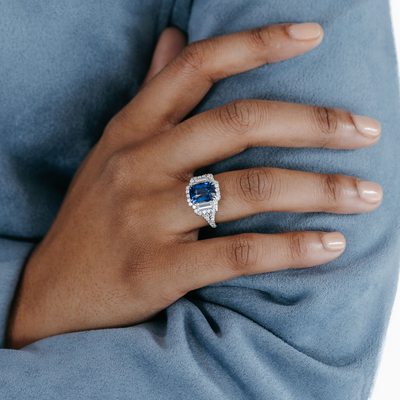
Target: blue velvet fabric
66,67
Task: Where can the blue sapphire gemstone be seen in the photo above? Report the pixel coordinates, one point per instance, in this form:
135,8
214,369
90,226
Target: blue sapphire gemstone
202,192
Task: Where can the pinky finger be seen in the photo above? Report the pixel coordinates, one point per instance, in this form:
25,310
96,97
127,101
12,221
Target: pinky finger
215,260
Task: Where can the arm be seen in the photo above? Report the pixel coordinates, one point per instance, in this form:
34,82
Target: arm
249,357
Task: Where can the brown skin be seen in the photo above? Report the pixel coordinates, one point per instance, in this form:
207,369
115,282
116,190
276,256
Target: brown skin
124,244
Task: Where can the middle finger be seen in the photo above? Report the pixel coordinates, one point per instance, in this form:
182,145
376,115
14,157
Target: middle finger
222,132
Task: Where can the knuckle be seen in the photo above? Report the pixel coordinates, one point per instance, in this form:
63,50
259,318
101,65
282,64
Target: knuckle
256,184
332,189
296,248
325,122
238,116
242,253
193,57
113,126
114,130
117,171
262,37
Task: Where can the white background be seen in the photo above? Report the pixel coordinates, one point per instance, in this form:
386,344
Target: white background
387,386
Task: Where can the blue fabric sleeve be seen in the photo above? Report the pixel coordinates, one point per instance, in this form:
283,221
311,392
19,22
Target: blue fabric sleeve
296,334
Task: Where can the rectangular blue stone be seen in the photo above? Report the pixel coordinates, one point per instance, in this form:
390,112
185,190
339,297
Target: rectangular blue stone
201,192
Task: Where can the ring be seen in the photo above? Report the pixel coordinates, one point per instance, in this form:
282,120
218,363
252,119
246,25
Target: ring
202,195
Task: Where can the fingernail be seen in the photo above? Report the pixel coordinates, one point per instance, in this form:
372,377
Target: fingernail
307,31
368,127
333,241
369,191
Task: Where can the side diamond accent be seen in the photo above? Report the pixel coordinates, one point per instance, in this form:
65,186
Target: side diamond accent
210,218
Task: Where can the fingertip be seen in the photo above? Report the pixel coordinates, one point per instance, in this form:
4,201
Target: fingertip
320,38
171,42
333,241
305,31
368,127
175,35
370,192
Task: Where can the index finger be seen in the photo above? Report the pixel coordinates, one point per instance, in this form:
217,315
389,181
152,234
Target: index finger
180,86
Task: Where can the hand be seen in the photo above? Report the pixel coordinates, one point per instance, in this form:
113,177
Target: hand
124,244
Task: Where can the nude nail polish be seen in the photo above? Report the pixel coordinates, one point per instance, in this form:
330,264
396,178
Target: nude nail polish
307,31
371,128
369,191
333,241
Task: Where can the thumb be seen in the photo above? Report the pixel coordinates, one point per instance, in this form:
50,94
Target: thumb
170,44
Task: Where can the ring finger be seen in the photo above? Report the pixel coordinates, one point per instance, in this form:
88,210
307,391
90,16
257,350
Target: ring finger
252,191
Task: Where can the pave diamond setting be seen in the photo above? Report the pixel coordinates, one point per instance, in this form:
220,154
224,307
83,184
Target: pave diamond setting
202,194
